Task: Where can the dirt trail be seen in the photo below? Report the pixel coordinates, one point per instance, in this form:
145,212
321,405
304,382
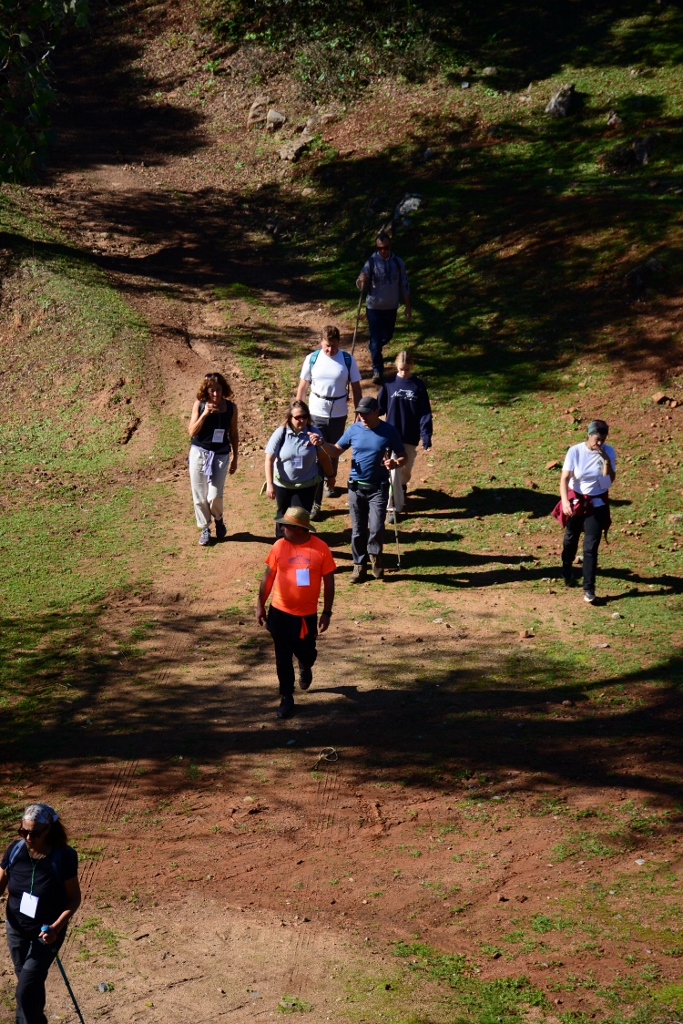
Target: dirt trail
224,873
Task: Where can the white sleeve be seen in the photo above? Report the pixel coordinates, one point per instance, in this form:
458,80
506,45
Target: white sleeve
306,368
569,460
354,372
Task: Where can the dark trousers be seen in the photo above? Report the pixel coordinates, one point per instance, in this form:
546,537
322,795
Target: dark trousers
368,509
32,959
332,428
285,497
592,527
285,629
381,323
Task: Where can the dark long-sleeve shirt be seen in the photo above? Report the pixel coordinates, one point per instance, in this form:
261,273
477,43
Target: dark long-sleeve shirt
405,403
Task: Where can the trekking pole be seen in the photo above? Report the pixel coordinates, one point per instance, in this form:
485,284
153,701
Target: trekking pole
398,549
355,330
46,928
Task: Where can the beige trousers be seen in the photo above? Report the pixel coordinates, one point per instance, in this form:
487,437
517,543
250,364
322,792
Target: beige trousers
207,495
400,478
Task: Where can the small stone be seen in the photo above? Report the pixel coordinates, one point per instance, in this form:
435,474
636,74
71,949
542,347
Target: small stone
613,119
640,860
526,635
677,517
567,703
660,397
489,72
553,465
616,615
221,991
428,154
496,956
248,800
501,898
464,85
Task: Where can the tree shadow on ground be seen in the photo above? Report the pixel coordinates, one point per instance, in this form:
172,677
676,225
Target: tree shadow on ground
512,270
68,700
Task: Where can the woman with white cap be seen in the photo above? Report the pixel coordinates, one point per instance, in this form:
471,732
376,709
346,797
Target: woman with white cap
40,873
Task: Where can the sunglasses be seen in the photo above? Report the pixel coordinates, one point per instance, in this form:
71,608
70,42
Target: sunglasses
299,417
26,832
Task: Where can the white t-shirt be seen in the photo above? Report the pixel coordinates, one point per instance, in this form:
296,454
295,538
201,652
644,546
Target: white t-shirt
328,383
585,467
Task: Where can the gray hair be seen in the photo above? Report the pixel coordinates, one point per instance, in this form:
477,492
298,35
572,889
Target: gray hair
43,814
598,427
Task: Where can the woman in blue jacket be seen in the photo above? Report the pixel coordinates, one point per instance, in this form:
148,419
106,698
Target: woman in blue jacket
405,404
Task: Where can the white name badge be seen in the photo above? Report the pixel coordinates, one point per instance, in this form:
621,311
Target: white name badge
28,905
218,436
297,462
303,577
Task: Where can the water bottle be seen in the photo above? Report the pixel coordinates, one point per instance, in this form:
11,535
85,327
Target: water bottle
44,928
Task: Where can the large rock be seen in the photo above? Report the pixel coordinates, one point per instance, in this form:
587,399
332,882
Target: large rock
292,150
258,111
629,154
274,119
411,203
317,121
563,102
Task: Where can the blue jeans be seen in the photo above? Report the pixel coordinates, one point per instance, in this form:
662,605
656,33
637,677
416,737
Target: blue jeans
381,323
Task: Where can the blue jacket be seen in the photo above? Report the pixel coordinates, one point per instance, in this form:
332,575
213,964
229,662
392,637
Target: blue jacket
405,403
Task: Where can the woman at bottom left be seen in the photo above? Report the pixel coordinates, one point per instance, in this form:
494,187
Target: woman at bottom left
40,873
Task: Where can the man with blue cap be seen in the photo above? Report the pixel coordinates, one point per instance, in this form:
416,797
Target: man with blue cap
371,441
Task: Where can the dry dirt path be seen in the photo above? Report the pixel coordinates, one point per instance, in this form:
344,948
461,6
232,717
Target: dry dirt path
220,870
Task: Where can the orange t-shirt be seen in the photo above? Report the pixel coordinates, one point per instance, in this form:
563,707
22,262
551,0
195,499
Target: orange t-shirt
299,569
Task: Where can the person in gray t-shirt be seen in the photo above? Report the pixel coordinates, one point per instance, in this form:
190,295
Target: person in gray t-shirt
293,464
385,279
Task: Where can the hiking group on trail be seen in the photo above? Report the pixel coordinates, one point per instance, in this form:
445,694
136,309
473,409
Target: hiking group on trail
301,465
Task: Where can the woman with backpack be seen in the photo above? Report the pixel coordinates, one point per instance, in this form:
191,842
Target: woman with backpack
294,467
331,373
40,873
214,443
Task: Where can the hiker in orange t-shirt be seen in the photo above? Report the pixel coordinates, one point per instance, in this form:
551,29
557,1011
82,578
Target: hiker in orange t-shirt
298,564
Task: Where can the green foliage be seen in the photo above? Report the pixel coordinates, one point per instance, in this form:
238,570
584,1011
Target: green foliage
502,1000
29,33
339,48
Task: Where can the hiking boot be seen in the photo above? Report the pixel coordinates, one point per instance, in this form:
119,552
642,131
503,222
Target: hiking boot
305,676
359,572
376,563
377,379
221,530
286,709
589,595
570,581
315,511
205,536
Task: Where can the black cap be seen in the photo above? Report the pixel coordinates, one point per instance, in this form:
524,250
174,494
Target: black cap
367,404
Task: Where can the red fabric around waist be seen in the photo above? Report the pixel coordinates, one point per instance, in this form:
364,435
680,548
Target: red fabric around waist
582,505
